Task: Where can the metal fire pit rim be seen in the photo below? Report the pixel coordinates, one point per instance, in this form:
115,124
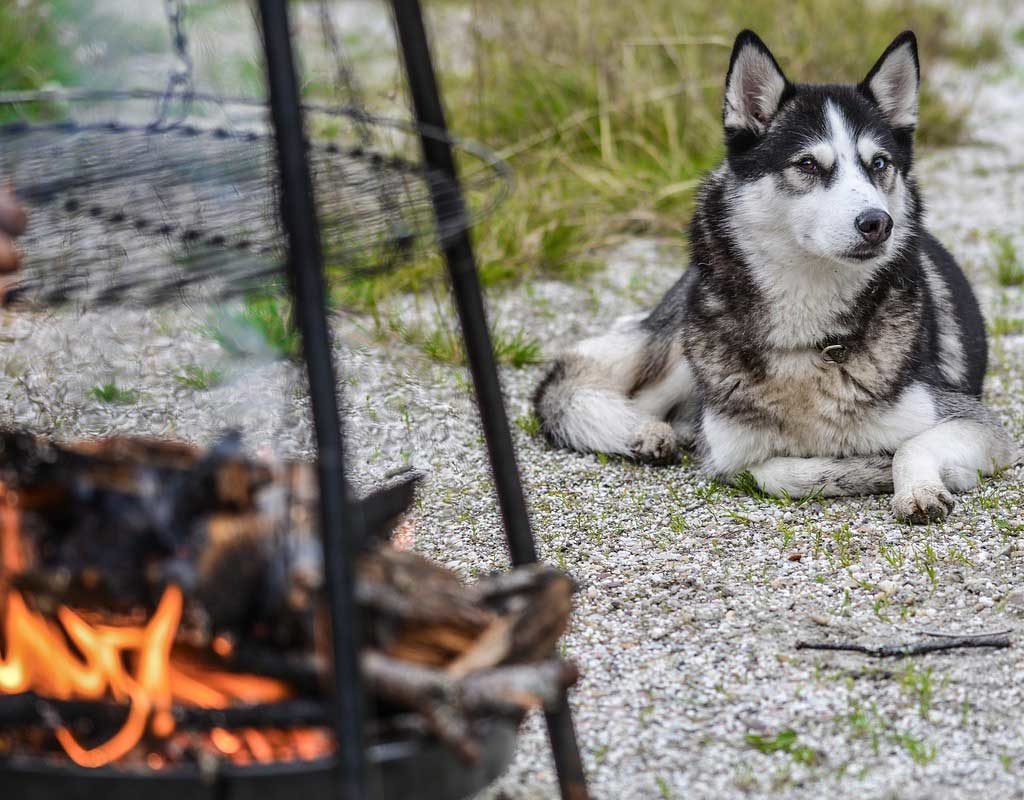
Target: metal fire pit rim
392,771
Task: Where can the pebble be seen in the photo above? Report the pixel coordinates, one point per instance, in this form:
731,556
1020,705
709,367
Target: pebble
1015,599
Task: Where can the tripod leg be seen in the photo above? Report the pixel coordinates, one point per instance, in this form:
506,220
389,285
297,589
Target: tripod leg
340,520
458,252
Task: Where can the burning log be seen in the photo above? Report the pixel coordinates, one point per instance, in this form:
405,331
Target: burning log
446,703
30,708
190,582
109,524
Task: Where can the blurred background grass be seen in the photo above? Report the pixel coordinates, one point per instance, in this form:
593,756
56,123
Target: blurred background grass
31,53
608,111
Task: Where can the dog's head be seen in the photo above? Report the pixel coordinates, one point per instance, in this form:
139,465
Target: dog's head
824,171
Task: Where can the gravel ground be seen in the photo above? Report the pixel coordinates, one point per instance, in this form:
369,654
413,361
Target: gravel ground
692,597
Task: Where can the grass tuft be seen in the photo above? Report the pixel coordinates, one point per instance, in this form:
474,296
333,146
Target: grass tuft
784,742
918,683
31,53
195,376
442,342
1008,268
746,483
529,424
262,326
112,393
986,48
1006,326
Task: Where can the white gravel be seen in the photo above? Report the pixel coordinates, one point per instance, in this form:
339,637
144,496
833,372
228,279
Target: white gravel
691,598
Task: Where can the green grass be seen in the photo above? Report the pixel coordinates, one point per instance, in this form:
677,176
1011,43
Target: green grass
784,742
926,559
31,55
893,554
529,424
917,682
987,47
262,326
195,376
441,341
868,723
920,751
1008,268
746,483
114,394
1006,326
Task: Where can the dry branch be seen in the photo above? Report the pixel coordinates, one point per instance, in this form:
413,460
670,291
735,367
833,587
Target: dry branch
910,648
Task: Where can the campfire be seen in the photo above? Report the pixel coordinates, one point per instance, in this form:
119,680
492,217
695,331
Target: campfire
161,605
39,660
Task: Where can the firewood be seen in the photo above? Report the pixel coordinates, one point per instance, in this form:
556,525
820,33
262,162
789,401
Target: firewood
542,622
530,632
490,649
494,590
411,588
28,708
432,644
502,690
526,686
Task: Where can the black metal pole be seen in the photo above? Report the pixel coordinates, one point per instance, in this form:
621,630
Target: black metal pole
340,521
458,252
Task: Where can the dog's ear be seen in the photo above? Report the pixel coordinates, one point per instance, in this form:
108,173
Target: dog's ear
754,86
893,82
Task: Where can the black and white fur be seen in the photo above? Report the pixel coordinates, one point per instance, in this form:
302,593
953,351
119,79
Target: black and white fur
807,236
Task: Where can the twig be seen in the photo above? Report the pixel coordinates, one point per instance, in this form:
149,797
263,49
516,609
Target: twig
910,648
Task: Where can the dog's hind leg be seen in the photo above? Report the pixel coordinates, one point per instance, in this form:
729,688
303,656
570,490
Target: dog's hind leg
949,457
829,477
614,393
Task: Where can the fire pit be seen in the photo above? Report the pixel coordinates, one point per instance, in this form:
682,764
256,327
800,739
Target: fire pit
409,767
163,614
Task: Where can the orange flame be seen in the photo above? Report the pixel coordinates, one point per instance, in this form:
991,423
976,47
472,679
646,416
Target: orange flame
39,659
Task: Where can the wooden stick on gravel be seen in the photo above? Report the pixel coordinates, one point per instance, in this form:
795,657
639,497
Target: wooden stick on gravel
910,648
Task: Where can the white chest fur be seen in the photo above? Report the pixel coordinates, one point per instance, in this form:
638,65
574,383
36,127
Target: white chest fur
814,409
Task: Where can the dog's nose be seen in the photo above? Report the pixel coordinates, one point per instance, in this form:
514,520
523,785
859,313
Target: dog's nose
874,225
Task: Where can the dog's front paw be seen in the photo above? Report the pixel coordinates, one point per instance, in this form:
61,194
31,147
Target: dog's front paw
655,442
923,504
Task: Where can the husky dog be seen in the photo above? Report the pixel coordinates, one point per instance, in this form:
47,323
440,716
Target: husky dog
821,340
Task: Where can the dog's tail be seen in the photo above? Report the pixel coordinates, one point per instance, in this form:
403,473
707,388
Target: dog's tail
579,408
612,393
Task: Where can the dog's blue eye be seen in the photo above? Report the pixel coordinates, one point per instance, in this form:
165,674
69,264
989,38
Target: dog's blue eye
880,163
808,165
